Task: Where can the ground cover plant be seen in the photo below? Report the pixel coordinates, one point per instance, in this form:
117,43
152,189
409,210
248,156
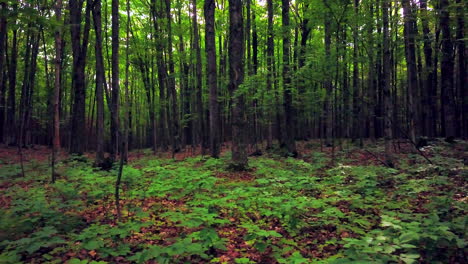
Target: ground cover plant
313,209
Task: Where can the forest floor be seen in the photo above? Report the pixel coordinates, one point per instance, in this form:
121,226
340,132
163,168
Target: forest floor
328,206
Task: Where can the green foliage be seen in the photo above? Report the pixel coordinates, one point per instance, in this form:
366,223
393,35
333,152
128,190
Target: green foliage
368,214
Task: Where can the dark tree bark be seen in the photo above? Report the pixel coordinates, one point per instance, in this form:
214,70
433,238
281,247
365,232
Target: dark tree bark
462,73
79,49
174,122
430,93
115,126
100,83
371,77
411,70
162,76
11,103
357,125
210,46
236,76
270,61
201,129
447,67
184,89
387,101
3,36
128,111
328,85
57,85
289,138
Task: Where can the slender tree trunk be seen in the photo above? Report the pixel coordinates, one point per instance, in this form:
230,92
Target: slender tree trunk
429,91
270,54
174,125
198,75
115,81
57,84
100,83
79,50
387,101
447,65
11,103
236,75
3,36
210,46
462,71
128,113
356,82
328,85
289,112
411,66
371,78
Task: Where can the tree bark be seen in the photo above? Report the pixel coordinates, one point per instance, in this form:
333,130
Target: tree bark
57,84
11,102
100,83
387,101
212,82
3,36
328,85
447,67
289,138
430,107
411,70
198,82
115,126
236,75
79,50
462,73
270,61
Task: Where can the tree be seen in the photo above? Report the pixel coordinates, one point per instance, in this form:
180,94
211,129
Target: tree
446,71
3,35
115,80
210,46
201,129
79,44
410,52
100,84
236,78
57,85
270,60
289,138
388,135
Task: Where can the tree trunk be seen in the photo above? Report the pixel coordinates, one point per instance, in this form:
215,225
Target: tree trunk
462,74
328,85
430,92
11,103
100,83
198,82
236,75
270,61
387,101
58,74
447,89
289,138
115,81
411,70
357,125
79,50
174,124
3,36
212,81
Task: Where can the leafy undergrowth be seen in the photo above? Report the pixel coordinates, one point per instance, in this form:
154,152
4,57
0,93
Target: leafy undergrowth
280,211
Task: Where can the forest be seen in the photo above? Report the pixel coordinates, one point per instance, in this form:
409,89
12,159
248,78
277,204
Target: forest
233,131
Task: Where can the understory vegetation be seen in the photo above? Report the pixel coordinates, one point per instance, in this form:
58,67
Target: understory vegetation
351,209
